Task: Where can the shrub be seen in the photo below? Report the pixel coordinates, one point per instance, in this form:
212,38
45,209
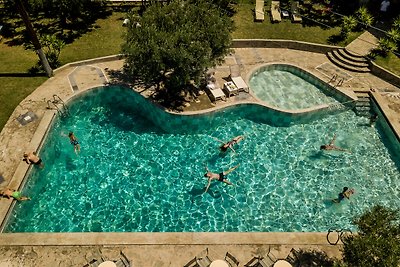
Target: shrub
377,240
365,19
386,45
349,23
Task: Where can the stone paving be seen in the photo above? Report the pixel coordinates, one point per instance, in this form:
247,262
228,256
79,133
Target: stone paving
15,139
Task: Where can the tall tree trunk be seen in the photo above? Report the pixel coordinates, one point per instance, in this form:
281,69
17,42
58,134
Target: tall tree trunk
35,40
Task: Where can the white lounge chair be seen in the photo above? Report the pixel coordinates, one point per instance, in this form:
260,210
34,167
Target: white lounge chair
259,10
275,11
240,84
215,92
295,12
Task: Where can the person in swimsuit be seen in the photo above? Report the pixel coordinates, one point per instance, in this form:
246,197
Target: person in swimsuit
10,193
74,141
346,193
32,158
331,146
218,176
230,144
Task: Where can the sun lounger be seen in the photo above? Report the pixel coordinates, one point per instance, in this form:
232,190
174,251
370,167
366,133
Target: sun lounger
295,12
259,10
216,92
275,11
240,84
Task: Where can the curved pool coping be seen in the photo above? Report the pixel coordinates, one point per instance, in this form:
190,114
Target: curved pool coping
67,239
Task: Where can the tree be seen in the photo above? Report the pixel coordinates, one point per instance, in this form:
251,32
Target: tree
377,242
171,45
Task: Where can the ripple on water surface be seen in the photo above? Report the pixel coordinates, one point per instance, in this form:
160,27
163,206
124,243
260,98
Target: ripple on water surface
132,176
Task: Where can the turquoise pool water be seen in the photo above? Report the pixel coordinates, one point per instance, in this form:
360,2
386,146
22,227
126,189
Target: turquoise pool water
287,87
132,176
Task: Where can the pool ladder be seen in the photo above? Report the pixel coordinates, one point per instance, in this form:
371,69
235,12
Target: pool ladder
334,78
55,103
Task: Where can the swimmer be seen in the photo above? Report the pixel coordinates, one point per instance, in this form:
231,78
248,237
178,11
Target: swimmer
74,141
10,193
32,158
331,146
346,193
231,143
218,176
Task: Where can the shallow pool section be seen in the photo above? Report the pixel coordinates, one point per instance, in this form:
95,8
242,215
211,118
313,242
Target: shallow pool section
131,176
290,88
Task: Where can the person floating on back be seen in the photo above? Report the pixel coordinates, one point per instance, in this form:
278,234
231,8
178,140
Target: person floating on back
10,193
32,158
220,177
331,146
346,193
231,143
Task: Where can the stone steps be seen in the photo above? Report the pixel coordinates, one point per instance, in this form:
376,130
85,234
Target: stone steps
363,104
347,60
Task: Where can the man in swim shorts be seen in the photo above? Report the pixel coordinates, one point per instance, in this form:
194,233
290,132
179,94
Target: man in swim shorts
10,193
218,176
32,158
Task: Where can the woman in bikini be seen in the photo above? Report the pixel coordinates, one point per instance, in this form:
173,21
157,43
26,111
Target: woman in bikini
74,141
231,143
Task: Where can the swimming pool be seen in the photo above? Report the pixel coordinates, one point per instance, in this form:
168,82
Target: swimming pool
288,87
132,176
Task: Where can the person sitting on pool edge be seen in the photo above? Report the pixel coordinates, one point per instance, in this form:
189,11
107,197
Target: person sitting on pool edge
230,144
346,193
331,146
10,193
32,158
220,177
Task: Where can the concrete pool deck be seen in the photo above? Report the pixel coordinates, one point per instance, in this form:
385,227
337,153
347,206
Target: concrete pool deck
155,249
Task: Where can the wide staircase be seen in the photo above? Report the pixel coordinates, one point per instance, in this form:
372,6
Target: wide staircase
354,58
348,60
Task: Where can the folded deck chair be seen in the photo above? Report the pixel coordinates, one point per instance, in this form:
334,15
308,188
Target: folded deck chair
259,10
275,11
295,12
258,262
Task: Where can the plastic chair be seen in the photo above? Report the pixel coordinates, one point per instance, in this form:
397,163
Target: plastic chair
231,260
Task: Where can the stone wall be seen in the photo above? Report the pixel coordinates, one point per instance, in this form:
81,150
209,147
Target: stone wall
290,44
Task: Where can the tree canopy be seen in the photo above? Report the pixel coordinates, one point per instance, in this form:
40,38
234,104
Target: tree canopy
377,242
171,45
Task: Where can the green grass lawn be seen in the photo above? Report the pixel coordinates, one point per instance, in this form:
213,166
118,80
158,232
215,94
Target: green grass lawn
391,62
246,28
16,84
105,38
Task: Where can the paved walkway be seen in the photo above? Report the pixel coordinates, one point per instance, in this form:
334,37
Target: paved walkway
52,250
363,44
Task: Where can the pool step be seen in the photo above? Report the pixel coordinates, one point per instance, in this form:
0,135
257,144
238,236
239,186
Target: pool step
348,60
363,104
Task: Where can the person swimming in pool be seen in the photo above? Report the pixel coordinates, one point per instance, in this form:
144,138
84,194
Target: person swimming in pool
74,141
231,143
346,193
218,176
10,193
32,158
331,146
